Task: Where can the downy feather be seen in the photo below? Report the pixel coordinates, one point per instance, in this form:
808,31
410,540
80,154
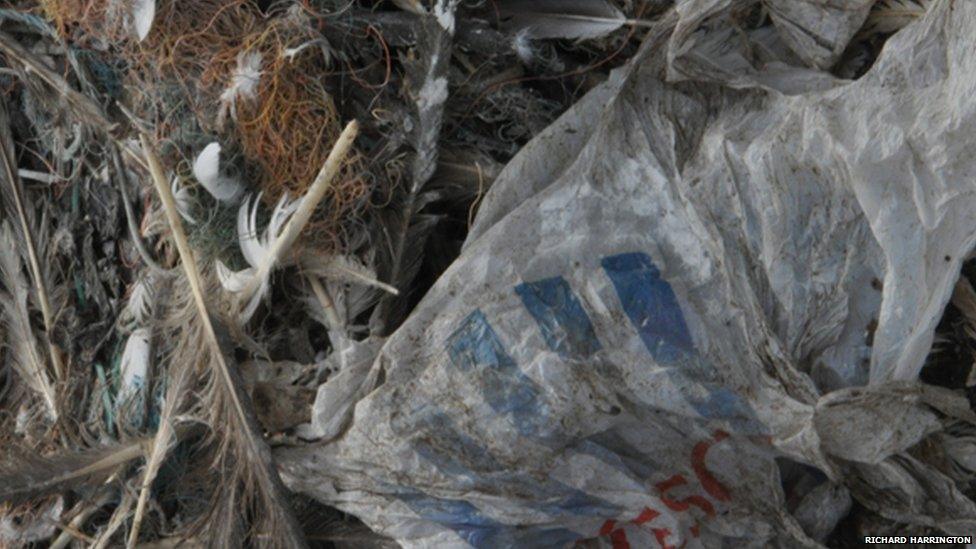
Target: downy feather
184,201
206,168
523,47
21,526
569,19
139,307
243,84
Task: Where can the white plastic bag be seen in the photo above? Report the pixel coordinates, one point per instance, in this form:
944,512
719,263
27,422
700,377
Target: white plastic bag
671,289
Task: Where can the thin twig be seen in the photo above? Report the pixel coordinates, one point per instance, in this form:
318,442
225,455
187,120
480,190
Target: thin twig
326,301
75,533
163,435
85,509
117,519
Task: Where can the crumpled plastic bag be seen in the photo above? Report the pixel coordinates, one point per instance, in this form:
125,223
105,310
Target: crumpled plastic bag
720,267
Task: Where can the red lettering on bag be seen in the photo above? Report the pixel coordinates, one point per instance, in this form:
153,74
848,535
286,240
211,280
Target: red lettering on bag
684,504
711,484
661,534
647,515
619,539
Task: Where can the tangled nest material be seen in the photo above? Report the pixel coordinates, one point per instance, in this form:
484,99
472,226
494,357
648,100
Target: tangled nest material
257,81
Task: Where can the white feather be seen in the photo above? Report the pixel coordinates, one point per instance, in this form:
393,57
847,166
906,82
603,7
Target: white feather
184,201
523,47
143,13
569,19
247,231
329,55
412,6
444,12
433,93
206,168
233,281
345,268
134,365
243,84
140,304
255,249
288,220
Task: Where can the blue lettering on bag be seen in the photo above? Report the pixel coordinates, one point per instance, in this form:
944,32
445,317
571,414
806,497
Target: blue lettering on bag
564,324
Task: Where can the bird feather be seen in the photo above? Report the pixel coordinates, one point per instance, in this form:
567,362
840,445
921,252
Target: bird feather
184,201
249,480
28,235
287,222
26,358
134,366
233,281
24,475
569,19
345,268
257,251
143,13
435,44
243,84
206,168
139,306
